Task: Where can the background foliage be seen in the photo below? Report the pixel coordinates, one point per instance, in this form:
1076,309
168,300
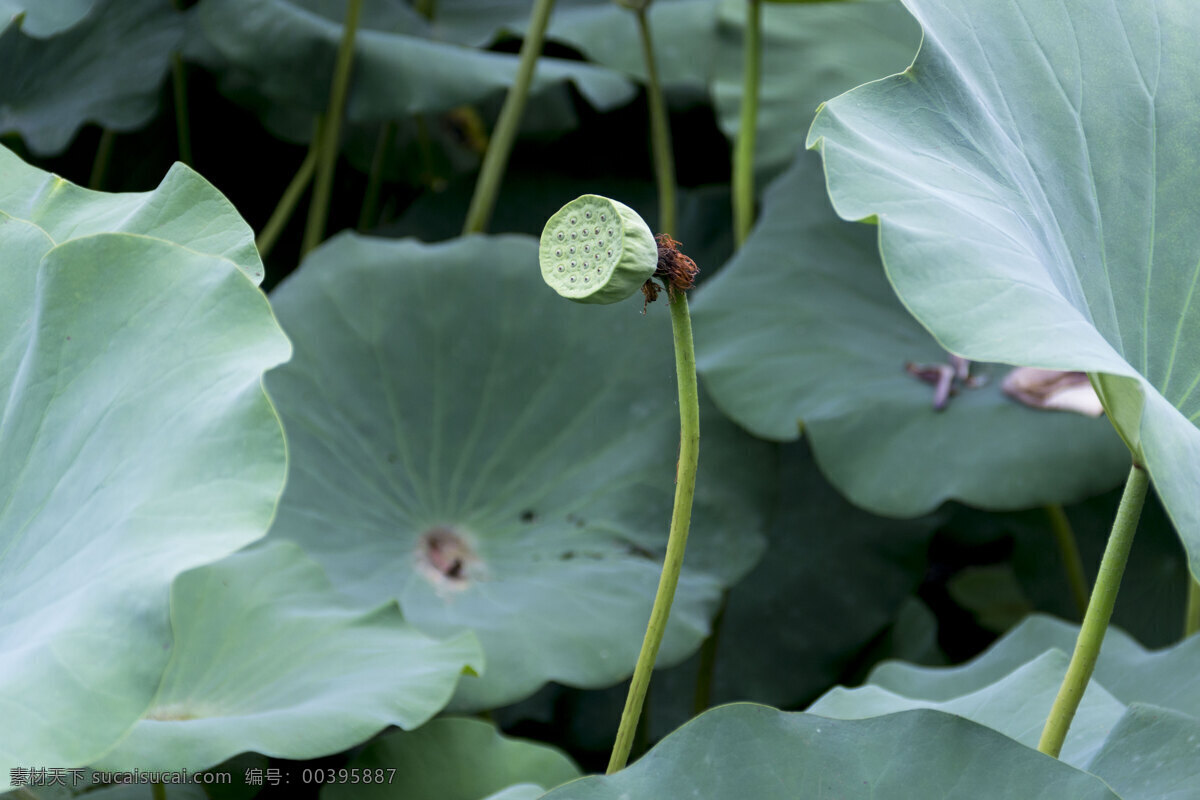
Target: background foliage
436,384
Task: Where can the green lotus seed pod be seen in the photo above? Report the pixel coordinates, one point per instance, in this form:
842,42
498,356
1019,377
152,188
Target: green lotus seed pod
596,250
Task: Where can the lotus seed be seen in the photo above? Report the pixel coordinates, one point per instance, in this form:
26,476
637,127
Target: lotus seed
558,252
560,236
572,234
572,279
572,220
610,252
587,248
610,232
588,214
585,279
560,267
572,249
602,218
585,265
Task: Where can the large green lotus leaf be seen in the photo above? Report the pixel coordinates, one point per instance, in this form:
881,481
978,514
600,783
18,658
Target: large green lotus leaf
107,70
499,460
1152,754
810,52
605,32
185,209
1169,678
269,657
803,327
828,585
1033,174
1128,743
44,18
136,441
286,50
522,791
453,758
1016,705
745,750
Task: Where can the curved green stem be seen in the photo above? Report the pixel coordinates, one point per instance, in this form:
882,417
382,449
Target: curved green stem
330,137
1068,549
496,158
158,791
743,154
1099,612
291,196
681,517
182,129
1191,620
366,217
100,162
660,131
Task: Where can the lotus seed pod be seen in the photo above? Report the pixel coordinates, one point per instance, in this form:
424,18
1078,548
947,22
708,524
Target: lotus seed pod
596,250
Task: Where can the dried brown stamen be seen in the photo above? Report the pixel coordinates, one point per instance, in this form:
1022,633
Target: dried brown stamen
675,270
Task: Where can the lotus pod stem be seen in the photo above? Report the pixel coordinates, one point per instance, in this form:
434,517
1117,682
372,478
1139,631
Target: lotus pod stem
1099,612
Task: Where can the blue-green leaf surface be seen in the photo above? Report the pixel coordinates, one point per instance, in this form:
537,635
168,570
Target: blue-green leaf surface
1137,726
285,51
267,657
500,460
802,328
454,758
744,750
1033,175
136,440
44,18
107,70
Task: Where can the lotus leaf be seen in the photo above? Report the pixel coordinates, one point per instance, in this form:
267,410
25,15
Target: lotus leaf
136,440
285,49
454,758
107,70
745,750
44,18
1143,750
500,460
1033,175
802,327
268,657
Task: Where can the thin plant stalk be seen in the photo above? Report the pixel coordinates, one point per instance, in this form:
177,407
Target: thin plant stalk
495,160
681,517
1068,549
158,791
100,162
660,130
702,697
1191,619
291,196
743,154
370,206
318,209
1099,612
426,8
182,128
